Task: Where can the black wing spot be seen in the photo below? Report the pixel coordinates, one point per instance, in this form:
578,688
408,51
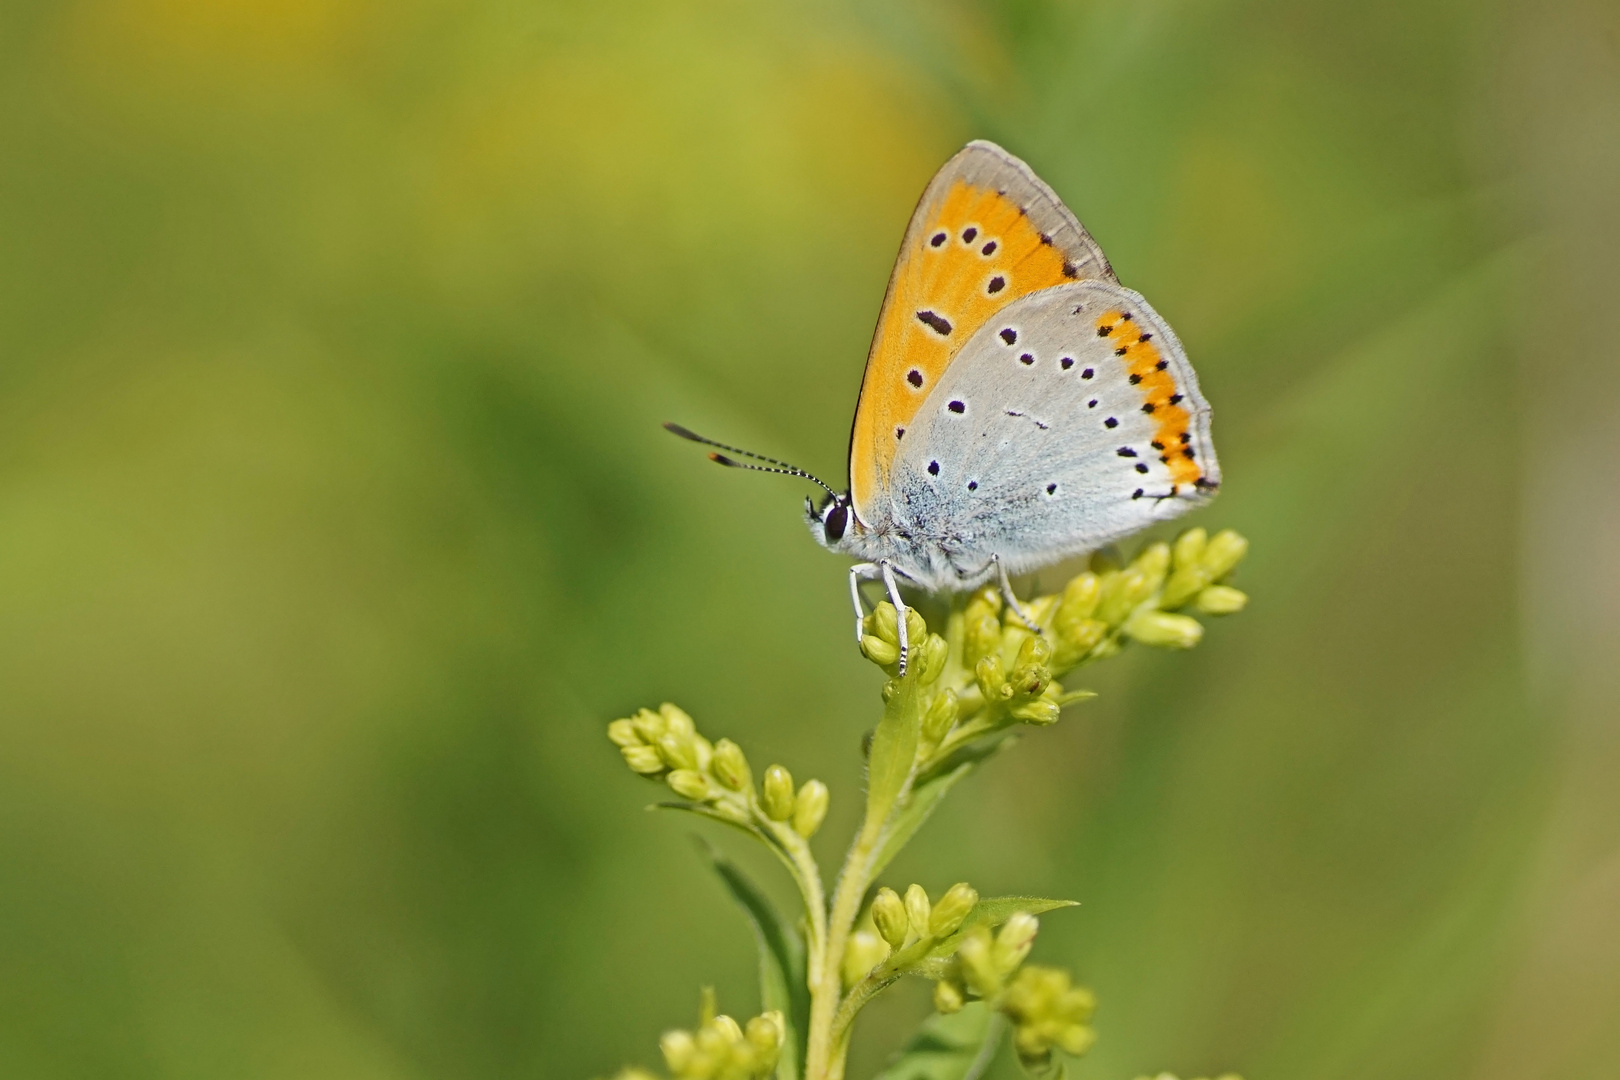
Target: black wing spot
1051,489
1175,399
939,238
933,468
1186,437
1066,363
1137,494
899,433
1205,482
997,283
1069,270
1135,379
1088,373
968,234
1156,444
935,323
1027,358
1161,365
1037,423
1141,466
1127,317
973,485
1104,331
1146,336
1121,351
988,249
957,407
1125,451
1149,407
1092,404
1111,422
1188,454
1010,336
914,377
1046,240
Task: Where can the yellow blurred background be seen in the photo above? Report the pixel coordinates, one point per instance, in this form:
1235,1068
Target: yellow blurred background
335,520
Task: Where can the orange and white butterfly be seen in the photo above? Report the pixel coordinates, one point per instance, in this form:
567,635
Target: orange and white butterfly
1019,405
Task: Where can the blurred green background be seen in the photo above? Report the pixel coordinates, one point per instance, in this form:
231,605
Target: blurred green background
335,520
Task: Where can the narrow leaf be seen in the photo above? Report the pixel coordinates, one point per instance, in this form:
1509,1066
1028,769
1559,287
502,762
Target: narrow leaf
894,748
954,1047
783,983
993,911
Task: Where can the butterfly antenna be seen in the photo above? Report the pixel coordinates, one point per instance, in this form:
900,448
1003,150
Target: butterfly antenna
781,467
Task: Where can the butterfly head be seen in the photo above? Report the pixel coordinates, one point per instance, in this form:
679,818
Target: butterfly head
833,523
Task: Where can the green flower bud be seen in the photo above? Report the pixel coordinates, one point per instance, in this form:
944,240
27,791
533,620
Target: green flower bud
777,795
677,750
1013,942
916,627
1048,1011
1080,596
1115,602
941,715
918,909
676,720
679,1049
1186,583
948,997
649,725
889,916
643,759
1034,650
1226,549
729,1029
864,952
690,784
810,808
884,623
1154,563
1030,680
1189,548
1164,630
1076,1039
1076,637
623,733
978,967
931,658
1041,711
982,638
1221,600
880,652
957,904
992,679
730,767
766,1031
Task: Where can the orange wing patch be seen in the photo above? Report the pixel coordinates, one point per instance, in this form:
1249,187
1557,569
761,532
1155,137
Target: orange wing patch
978,254
1149,372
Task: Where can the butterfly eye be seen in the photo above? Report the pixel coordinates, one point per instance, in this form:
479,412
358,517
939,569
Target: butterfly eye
837,521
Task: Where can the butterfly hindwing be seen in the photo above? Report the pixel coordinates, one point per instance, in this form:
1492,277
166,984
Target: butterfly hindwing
986,232
1069,421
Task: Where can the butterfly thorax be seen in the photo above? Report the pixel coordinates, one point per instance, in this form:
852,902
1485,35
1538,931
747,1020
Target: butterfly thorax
935,560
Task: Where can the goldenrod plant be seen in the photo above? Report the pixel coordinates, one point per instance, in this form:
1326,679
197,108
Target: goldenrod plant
967,694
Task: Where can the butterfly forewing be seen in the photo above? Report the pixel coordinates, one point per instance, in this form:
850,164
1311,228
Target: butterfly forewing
986,232
1070,420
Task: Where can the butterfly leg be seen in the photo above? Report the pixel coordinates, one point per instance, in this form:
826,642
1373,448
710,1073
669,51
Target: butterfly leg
856,573
899,610
1007,595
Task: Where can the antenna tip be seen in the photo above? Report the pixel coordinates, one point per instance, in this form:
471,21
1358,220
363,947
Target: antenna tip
676,429
721,459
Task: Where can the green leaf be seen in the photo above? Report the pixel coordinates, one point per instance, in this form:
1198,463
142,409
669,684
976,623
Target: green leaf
920,804
894,748
783,982
993,911
954,1047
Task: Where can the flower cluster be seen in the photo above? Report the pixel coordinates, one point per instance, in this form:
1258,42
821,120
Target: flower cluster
715,776
721,1048
1048,1011
906,931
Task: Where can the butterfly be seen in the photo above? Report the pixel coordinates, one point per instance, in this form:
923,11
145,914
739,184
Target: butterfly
1019,405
